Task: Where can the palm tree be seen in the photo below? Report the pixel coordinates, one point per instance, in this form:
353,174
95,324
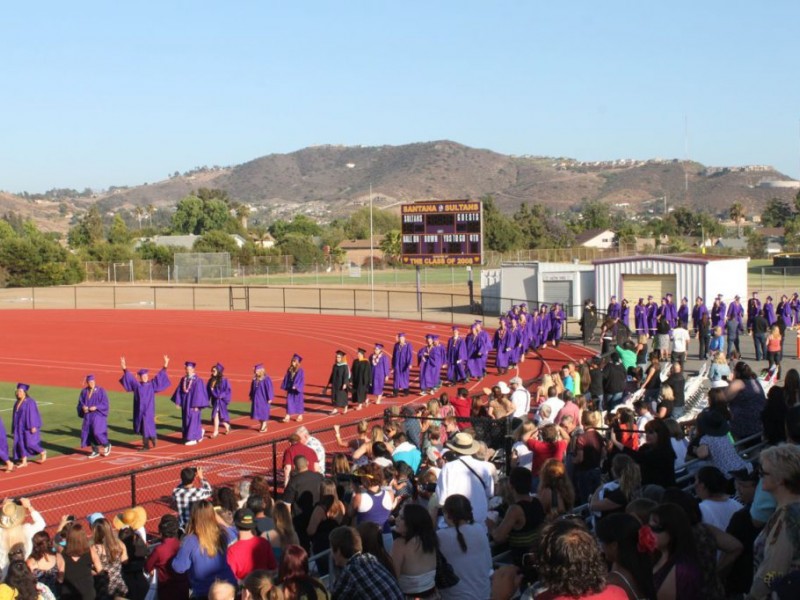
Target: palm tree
737,216
391,245
139,214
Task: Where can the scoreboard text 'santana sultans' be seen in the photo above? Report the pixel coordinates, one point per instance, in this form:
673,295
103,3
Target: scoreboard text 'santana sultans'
442,233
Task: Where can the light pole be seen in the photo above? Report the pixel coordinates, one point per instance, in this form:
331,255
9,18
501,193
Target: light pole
371,255
702,238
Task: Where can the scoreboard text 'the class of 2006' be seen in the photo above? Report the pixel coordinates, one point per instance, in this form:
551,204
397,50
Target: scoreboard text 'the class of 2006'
444,232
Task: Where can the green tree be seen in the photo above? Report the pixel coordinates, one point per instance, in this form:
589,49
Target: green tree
302,249
737,214
756,245
37,261
500,233
188,217
300,225
6,231
356,227
776,213
88,231
159,254
216,241
118,233
195,215
595,215
791,236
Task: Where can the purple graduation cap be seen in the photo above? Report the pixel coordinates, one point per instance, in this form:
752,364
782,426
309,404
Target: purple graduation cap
455,327
650,297
141,372
297,357
23,386
769,298
219,367
258,366
429,336
684,299
434,337
401,334
378,346
736,297
189,363
478,322
700,298
89,378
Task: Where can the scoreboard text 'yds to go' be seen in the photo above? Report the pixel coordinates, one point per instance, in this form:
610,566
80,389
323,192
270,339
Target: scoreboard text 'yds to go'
442,233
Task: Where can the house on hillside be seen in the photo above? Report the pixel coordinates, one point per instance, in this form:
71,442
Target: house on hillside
265,241
356,252
735,244
596,238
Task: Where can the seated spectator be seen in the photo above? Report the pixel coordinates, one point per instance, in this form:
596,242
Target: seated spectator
641,508
249,551
328,514
362,576
716,504
406,451
414,552
676,573
193,488
521,455
295,579
20,583
612,497
777,548
297,448
221,590
656,458
263,522
643,415
570,408
773,417
555,490
741,526
625,427
79,560
381,455
372,542
588,456
628,547
258,585
666,402
465,546
719,369
284,533
714,445
522,519
680,444
404,486
202,555
170,584
302,492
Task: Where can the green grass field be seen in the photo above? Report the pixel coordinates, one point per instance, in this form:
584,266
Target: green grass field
61,430
455,276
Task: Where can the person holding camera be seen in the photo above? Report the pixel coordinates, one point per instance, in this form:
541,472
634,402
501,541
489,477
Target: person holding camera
188,493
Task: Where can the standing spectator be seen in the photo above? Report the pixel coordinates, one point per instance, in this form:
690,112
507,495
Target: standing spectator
554,403
520,398
741,526
14,529
202,555
777,548
406,452
297,448
188,493
614,496
362,576
412,426
327,515
45,563
284,533
302,492
551,445
746,401
522,519
732,329
627,354
652,382
614,380
371,502
588,321
172,585
465,546
760,331
656,457
555,491
313,443
662,336
79,559
680,343
111,554
258,585
19,583
677,381
774,347
462,406
588,456
719,370
463,474
249,551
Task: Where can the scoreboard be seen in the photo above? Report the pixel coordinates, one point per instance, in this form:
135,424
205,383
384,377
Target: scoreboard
443,232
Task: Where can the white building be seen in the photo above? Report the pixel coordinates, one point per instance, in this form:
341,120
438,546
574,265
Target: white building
596,238
688,275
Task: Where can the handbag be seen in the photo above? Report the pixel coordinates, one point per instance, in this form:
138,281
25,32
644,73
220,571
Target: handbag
445,575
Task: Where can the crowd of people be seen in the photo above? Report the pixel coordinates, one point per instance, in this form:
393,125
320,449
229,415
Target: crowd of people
566,490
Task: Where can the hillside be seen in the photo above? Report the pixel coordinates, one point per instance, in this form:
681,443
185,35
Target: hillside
328,181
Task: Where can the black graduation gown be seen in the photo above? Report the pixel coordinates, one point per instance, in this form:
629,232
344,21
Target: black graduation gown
360,379
340,378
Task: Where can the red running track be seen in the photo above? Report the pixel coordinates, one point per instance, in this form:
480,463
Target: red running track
58,347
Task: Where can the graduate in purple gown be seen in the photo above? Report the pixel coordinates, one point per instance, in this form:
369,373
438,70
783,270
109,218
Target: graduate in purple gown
736,312
478,347
402,359
426,362
769,312
220,394
456,358
294,383
753,308
785,311
261,395
26,426
557,318
515,339
717,313
144,399
4,456
484,344
191,396
535,328
502,344
723,309
614,310
381,367
698,312
640,318
672,311
93,408
625,313
544,325
524,334
795,304
683,312
652,315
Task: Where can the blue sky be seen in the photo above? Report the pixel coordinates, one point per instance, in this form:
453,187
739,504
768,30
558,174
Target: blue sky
99,93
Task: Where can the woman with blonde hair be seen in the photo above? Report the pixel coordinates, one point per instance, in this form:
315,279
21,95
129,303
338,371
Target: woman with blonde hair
719,369
667,401
614,496
555,490
110,553
284,533
774,343
202,555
